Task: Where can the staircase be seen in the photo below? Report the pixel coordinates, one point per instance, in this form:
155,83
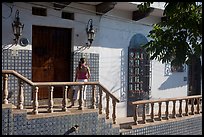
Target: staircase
52,117
106,127
191,125
95,99
184,122
21,122
90,122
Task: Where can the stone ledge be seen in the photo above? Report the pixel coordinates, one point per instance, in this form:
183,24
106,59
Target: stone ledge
166,121
9,105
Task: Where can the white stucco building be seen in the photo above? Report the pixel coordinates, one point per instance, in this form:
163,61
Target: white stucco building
114,30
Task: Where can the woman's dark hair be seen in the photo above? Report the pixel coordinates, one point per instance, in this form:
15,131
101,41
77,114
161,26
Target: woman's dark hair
82,60
79,65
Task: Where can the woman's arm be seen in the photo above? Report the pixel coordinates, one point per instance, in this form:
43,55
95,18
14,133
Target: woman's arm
88,71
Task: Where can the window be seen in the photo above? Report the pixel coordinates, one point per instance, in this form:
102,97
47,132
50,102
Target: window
39,11
139,73
169,69
67,15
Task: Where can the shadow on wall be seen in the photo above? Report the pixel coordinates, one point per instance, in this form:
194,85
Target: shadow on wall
175,80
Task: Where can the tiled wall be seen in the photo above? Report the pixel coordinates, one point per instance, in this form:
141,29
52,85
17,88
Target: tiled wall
7,127
89,124
188,126
22,63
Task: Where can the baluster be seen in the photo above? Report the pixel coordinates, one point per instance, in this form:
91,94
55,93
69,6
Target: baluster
135,114
174,109
152,112
114,115
201,105
186,109
159,112
93,105
20,95
192,106
144,114
35,100
180,108
100,101
198,106
50,100
5,88
107,106
64,101
80,98
167,110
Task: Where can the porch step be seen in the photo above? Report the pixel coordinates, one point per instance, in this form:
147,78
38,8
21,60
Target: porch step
106,127
125,122
57,101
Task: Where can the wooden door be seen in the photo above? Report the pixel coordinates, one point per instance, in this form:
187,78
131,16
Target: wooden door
51,57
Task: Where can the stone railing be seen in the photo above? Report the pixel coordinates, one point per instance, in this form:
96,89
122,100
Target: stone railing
193,101
37,85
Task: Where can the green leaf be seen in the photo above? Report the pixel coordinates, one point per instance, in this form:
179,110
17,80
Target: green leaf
176,39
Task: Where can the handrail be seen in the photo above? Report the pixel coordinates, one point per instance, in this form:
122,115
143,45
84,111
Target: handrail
64,83
36,86
24,79
75,84
57,83
190,100
163,99
105,89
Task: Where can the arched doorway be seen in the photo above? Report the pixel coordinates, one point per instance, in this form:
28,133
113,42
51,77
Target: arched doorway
138,72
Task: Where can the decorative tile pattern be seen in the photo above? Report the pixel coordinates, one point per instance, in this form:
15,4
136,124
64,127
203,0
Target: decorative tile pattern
22,63
190,126
90,124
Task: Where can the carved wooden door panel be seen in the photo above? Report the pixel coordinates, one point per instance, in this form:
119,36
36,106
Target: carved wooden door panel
51,57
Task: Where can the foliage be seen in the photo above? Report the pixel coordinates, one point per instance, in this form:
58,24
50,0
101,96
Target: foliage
144,6
179,37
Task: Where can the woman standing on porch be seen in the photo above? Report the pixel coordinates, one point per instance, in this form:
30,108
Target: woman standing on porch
82,75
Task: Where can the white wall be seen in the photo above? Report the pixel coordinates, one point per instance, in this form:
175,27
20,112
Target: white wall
113,34
167,86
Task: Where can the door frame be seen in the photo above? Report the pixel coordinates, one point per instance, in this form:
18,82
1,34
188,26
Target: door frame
69,49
